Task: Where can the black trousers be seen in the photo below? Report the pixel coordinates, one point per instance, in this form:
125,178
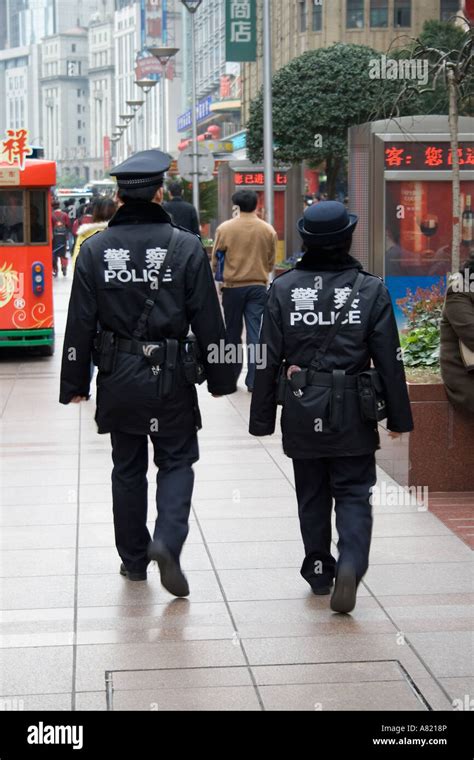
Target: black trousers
348,481
174,458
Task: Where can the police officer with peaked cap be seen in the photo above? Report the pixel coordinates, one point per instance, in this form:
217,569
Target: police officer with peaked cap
139,286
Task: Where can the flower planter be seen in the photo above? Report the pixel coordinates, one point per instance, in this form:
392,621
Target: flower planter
439,453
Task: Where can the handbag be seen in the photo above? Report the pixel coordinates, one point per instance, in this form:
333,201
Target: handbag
467,356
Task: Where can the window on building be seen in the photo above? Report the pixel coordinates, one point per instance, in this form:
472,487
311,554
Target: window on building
73,47
317,24
448,8
355,14
402,13
78,93
79,140
79,124
79,109
303,16
379,13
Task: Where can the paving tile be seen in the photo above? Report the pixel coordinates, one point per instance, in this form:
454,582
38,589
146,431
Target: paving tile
94,660
102,534
23,563
37,702
106,560
37,621
257,554
407,549
38,537
331,649
381,696
235,698
419,578
420,524
447,654
326,673
45,670
239,489
180,620
311,616
113,590
50,639
48,591
267,583
460,689
28,515
245,508
251,529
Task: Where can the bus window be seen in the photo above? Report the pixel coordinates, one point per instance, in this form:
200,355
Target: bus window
11,217
38,225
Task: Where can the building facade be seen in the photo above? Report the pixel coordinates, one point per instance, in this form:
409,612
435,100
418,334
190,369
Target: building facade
301,25
65,101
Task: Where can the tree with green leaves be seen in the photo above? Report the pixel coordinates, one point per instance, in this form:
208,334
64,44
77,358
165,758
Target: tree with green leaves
316,98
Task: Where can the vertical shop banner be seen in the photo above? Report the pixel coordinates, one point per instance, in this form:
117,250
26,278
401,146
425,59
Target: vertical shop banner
107,153
241,30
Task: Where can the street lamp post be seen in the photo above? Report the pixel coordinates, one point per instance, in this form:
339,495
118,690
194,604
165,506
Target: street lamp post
267,111
164,55
192,6
145,85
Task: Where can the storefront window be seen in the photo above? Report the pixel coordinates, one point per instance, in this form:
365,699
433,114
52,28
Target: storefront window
38,222
11,217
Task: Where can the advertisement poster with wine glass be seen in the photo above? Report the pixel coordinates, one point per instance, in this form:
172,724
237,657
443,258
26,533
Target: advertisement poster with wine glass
418,236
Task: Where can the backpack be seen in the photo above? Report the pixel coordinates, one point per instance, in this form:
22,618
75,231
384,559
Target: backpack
60,232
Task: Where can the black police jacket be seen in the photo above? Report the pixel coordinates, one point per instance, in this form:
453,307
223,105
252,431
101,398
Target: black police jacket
301,307
182,213
111,284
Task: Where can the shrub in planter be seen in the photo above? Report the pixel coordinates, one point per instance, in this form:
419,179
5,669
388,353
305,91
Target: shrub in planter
421,338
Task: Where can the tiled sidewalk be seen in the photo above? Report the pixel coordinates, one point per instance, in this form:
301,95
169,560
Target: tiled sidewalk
251,636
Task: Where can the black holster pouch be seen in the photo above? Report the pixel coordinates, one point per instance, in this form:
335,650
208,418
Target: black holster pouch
105,351
193,366
372,404
166,378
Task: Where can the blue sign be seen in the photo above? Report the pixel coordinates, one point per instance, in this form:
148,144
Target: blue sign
203,110
239,142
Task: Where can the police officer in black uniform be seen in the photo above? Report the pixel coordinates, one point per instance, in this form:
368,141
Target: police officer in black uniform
324,323
138,288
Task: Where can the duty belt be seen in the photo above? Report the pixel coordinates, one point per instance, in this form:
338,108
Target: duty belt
337,380
143,348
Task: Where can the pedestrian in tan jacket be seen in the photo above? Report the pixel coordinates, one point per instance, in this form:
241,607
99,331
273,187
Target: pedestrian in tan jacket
250,246
458,325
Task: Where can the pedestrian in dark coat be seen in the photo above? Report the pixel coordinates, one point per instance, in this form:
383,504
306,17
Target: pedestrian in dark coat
182,213
458,325
145,302
333,459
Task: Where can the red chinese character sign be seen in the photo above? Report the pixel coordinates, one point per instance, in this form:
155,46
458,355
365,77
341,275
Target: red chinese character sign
426,156
16,148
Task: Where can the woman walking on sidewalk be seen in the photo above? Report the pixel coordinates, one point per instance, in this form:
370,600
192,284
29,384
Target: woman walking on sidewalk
324,322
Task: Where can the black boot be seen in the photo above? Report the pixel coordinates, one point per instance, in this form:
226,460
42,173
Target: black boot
172,577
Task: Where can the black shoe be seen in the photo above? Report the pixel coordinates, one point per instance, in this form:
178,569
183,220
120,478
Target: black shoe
64,271
322,590
131,576
172,577
345,591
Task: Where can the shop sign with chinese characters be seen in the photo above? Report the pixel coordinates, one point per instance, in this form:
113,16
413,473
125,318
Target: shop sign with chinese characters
15,148
241,30
257,179
421,156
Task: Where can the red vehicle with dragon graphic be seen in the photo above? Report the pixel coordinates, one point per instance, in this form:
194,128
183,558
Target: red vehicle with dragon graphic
26,283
